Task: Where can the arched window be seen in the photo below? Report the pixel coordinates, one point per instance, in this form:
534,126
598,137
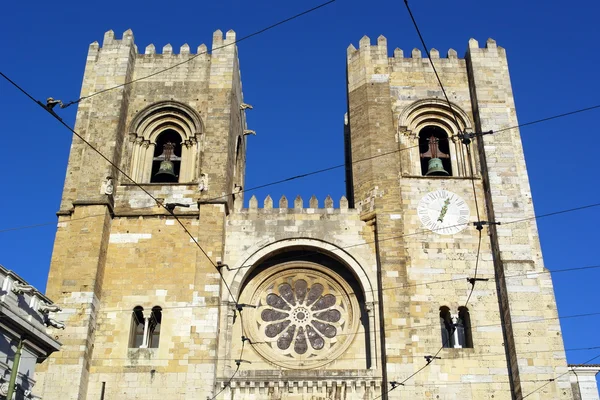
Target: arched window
136,338
145,328
167,133
428,129
464,328
456,329
447,327
308,319
154,327
166,163
434,150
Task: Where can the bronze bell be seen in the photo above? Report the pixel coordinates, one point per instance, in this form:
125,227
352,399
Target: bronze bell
434,168
166,172
434,165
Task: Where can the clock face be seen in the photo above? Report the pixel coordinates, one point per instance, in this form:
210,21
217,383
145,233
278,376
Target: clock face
443,212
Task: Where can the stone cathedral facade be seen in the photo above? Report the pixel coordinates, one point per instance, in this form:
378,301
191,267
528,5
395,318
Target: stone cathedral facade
324,299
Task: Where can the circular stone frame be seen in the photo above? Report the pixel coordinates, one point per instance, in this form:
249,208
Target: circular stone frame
305,315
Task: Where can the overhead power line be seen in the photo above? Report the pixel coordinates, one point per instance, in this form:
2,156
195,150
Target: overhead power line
319,171
91,146
170,210
461,279
333,167
557,377
256,33
480,356
431,62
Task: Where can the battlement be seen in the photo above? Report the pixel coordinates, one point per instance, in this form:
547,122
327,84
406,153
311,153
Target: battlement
297,205
365,49
380,50
127,39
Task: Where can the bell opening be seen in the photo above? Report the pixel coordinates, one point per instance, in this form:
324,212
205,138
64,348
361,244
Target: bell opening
434,145
166,163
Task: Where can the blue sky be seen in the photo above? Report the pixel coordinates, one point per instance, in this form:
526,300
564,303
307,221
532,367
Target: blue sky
294,76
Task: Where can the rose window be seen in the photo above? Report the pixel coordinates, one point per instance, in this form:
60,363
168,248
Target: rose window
303,317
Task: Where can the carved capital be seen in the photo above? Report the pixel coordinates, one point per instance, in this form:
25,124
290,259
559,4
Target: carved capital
404,131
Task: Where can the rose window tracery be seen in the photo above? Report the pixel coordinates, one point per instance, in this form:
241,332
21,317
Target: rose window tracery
303,317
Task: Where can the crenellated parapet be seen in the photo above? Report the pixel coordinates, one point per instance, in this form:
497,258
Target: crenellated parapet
371,63
297,206
220,41
368,62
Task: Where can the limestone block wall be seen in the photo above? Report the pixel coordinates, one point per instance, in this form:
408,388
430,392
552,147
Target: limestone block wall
516,246
254,234
151,262
390,186
437,267
116,248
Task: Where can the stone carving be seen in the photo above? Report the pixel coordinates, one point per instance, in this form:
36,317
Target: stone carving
202,183
19,288
47,308
107,186
49,321
303,317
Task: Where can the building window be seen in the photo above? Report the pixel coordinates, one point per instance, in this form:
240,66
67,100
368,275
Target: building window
447,327
456,329
165,143
303,318
154,327
166,163
137,328
434,149
145,328
464,325
428,129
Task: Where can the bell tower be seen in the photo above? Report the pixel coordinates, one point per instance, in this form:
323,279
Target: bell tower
425,192
174,123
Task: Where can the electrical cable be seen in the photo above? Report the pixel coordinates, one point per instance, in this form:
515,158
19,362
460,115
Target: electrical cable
329,168
461,279
557,377
474,279
431,62
195,241
199,54
159,203
481,356
17,228
473,327
315,172
238,363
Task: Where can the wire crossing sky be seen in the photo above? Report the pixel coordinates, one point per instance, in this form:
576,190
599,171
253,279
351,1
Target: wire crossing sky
294,76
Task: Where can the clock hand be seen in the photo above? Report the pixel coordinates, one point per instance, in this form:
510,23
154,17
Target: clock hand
444,210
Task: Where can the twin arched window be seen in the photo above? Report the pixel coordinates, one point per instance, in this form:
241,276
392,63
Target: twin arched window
145,328
165,143
456,328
